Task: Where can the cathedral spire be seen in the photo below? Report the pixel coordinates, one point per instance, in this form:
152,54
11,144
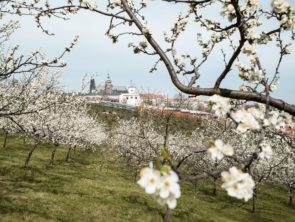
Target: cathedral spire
108,85
92,85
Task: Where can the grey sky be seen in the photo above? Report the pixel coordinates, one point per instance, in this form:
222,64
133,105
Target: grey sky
96,55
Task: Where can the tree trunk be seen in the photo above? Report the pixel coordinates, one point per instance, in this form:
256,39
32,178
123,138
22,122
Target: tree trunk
254,200
168,215
290,202
195,187
68,154
30,155
214,191
5,138
54,147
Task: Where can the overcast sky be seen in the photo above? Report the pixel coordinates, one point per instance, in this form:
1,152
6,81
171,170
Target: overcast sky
96,55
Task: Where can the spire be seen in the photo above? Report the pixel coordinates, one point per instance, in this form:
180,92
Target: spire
131,85
108,85
92,85
108,81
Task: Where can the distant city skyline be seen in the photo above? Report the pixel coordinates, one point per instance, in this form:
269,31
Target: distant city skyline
96,55
101,82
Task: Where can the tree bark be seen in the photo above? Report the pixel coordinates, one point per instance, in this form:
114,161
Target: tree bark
254,207
5,139
168,215
30,155
54,147
195,187
68,154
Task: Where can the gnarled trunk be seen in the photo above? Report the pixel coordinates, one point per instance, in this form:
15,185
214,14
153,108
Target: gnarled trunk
68,154
54,148
195,187
254,207
30,155
5,138
167,217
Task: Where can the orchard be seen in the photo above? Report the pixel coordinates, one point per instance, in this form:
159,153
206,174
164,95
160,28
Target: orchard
248,144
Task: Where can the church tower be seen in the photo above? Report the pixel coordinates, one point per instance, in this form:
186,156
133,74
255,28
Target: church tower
108,87
92,87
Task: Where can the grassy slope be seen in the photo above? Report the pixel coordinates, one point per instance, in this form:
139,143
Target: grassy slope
80,191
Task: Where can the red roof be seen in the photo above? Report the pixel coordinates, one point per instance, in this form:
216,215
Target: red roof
291,130
152,96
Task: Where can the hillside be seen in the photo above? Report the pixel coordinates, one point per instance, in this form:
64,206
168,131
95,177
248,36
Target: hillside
85,190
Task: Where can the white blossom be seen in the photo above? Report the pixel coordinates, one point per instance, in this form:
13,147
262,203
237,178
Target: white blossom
149,180
245,121
146,30
251,74
266,151
219,149
228,10
275,120
220,105
238,184
280,6
248,49
163,185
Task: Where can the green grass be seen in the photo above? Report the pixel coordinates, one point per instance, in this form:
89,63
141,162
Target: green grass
80,191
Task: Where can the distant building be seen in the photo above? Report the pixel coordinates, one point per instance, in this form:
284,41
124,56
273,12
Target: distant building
112,93
108,89
92,87
131,98
153,99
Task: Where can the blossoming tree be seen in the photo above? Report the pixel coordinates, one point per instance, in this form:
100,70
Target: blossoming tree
37,108
247,27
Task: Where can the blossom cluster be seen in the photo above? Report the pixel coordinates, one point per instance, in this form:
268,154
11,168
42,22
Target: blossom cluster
228,11
220,105
238,184
285,10
250,118
115,3
246,120
219,149
177,28
277,120
251,74
163,185
266,151
89,4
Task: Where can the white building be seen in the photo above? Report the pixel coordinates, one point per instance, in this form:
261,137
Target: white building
131,98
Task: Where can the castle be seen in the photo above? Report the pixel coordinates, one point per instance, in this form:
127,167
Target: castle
109,92
106,89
